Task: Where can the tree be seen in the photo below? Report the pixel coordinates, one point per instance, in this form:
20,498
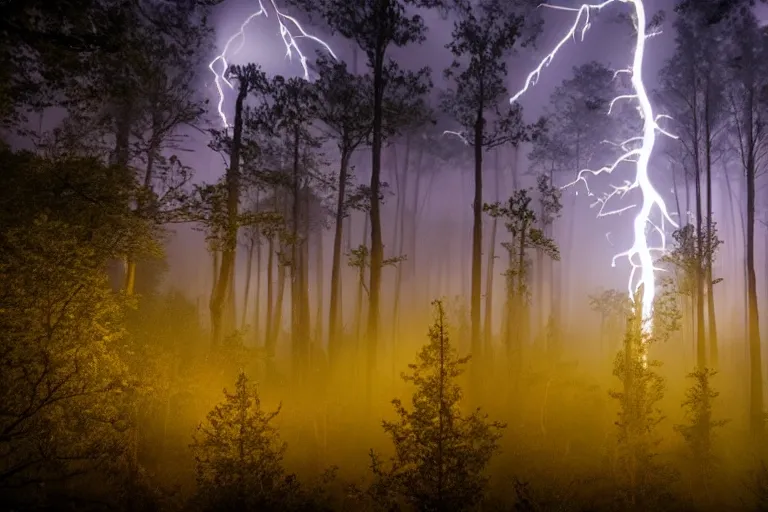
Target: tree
700,427
688,261
239,455
65,388
577,125
614,307
483,37
344,107
747,109
295,110
249,79
376,26
549,210
695,100
638,415
440,453
521,223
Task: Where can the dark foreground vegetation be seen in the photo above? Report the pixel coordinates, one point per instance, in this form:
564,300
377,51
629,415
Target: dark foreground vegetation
111,379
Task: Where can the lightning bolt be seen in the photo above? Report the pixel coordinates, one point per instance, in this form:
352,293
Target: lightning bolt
636,150
238,38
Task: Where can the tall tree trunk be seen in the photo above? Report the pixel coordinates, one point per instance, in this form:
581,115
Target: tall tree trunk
377,245
319,279
306,317
477,247
248,269
361,288
270,289
277,323
712,325
701,350
230,307
334,338
489,275
257,298
233,198
757,413
298,322
399,247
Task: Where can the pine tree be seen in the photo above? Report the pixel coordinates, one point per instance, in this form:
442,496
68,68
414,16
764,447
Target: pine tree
239,455
440,453
698,431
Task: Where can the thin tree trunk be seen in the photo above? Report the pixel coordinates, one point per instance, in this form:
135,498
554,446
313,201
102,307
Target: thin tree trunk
477,245
257,298
401,243
319,284
248,268
360,289
713,349
489,275
377,246
334,316
757,413
701,351
233,198
270,290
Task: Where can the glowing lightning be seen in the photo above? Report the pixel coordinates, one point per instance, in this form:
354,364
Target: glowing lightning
291,46
637,150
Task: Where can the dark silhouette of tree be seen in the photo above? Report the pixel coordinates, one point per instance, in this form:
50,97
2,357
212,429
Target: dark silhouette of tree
66,394
239,455
521,223
699,429
577,125
440,453
249,79
345,108
746,99
376,26
484,36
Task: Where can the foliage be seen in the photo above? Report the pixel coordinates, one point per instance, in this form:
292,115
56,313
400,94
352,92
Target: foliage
684,257
64,385
239,455
698,432
521,222
440,453
578,124
641,479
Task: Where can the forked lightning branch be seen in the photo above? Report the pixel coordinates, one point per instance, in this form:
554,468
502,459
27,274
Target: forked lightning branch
637,150
290,32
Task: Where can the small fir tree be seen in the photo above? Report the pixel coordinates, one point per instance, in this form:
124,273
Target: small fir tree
440,453
698,431
239,455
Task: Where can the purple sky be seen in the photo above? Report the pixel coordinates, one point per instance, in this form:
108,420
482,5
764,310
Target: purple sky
590,255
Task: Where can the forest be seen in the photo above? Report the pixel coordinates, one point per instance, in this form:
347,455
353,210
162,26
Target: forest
512,280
